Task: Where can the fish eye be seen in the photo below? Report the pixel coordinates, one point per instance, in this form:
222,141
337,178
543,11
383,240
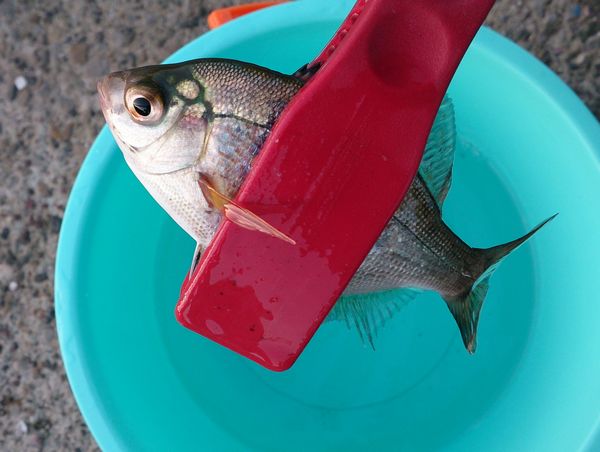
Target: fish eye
142,106
144,102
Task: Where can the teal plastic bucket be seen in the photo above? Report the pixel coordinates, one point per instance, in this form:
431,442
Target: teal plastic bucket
527,148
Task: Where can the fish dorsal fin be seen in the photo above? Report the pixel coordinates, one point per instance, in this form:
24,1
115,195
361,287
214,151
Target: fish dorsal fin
367,313
438,157
306,72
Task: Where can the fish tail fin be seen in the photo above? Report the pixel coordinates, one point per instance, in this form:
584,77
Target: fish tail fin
466,307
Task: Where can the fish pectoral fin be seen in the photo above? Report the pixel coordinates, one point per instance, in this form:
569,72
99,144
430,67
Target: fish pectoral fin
238,214
213,197
246,219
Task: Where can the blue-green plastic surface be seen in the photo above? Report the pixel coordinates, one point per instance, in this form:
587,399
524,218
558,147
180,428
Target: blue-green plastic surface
527,148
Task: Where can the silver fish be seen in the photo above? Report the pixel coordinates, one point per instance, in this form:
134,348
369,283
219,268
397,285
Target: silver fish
190,132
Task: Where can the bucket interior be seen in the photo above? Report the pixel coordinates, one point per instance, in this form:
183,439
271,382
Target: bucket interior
520,158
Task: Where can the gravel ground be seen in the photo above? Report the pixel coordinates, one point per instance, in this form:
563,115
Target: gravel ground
51,54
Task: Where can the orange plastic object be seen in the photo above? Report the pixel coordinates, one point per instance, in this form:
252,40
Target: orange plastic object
223,15
335,167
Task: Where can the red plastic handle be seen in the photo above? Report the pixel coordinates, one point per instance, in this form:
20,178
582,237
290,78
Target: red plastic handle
332,172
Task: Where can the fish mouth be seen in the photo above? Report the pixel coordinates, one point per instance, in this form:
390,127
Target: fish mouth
104,93
103,97
105,106
110,91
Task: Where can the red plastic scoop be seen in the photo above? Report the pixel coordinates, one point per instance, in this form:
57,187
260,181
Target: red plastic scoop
331,174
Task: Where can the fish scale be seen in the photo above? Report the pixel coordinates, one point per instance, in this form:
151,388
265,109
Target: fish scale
248,92
375,274
229,152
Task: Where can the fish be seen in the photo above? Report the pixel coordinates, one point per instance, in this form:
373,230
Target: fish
190,132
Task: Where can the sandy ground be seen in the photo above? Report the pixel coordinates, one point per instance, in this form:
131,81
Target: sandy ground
51,54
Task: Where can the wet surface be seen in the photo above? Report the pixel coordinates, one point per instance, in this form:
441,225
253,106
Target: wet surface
51,56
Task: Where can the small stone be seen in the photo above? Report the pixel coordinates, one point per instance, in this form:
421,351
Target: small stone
79,53
13,285
22,426
61,133
579,59
20,83
55,222
126,35
6,272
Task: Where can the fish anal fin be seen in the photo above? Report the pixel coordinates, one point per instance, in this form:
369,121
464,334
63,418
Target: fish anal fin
368,313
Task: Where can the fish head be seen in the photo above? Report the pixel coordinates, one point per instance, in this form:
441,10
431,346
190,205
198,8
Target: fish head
202,119
157,117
